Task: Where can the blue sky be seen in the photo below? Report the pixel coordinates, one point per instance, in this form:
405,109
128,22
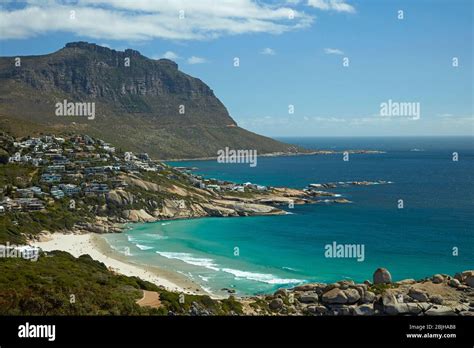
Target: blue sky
285,61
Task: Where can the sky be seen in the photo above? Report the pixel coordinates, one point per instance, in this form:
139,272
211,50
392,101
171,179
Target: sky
306,67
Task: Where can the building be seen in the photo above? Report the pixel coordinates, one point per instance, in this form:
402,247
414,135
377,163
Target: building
93,170
144,157
214,187
55,169
70,189
50,178
24,193
28,204
128,156
239,188
96,189
57,193
15,158
109,148
36,190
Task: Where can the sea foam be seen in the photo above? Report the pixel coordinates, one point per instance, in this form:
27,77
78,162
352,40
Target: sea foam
190,259
260,277
143,247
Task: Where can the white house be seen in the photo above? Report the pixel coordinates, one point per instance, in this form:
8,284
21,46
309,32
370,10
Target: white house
16,157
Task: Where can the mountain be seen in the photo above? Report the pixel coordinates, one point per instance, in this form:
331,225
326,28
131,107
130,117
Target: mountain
137,106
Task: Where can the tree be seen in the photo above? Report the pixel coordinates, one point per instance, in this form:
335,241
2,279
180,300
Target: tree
3,156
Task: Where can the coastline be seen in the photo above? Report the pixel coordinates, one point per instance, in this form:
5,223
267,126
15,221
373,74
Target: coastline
279,154
97,247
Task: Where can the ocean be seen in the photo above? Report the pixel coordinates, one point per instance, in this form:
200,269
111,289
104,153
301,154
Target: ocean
432,233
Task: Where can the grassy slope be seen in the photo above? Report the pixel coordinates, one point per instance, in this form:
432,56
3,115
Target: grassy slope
45,287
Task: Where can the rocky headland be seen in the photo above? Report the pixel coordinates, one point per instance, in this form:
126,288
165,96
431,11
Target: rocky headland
440,294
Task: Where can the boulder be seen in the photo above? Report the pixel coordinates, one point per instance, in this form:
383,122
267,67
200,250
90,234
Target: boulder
454,283
458,276
392,307
406,282
281,293
340,310
437,279
369,297
418,295
339,296
361,289
320,310
308,297
460,307
438,299
331,286
424,306
335,295
364,310
412,308
316,287
276,304
470,281
382,276
352,295
345,284
136,215
439,310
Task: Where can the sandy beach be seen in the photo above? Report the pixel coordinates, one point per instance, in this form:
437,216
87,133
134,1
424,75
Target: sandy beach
95,246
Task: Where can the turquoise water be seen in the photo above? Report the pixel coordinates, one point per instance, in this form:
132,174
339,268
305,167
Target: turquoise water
276,251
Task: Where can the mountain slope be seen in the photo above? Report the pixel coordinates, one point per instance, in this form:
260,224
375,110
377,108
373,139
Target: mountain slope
136,107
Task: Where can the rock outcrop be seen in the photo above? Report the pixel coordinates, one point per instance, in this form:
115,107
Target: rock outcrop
407,297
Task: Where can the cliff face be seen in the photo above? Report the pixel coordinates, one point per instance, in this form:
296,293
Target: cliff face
141,103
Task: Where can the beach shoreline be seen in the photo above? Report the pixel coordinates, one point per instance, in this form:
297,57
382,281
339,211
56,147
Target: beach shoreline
98,248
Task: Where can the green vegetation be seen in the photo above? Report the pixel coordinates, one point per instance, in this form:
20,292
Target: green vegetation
46,287
15,175
260,304
379,289
16,226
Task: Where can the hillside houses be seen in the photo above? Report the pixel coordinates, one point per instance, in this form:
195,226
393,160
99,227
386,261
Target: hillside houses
22,204
77,166
219,185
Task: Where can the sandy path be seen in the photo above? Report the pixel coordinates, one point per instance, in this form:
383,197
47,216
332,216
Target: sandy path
150,299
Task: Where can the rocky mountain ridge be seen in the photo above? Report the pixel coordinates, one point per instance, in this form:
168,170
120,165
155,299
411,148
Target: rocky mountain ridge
141,104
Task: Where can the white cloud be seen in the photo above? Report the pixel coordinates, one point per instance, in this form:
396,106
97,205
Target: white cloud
332,5
268,51
333,51
136,20
169,55
196,60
